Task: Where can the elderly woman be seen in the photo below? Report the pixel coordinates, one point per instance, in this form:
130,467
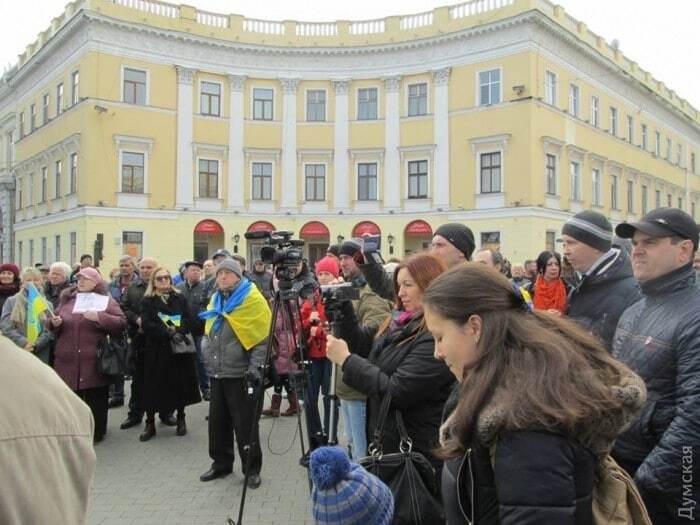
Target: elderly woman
9,282
13,322
75,357
169,380
59,280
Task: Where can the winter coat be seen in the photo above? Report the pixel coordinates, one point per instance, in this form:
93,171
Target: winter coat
17,333
117,291
316,344
402,364
536,476
286,340
597,301
659,338
263,280
75,355
7,291
169,381
53,293
131,304
196,296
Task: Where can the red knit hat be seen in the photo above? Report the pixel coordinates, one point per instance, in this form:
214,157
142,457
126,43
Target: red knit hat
9,267
328,264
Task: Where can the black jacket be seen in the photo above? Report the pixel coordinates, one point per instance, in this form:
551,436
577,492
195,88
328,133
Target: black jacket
381,282
597,301
419,385
538,478
659,338
53,293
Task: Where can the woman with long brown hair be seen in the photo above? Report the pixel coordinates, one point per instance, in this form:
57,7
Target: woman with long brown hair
540,403
397,359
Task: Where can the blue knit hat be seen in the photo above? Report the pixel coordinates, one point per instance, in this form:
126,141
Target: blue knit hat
345,493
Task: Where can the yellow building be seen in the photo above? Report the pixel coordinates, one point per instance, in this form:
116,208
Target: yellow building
164,130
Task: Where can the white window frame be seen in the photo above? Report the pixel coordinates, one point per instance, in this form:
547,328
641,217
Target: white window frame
73,188
221,97
325,179
500,86
645,137
273,171
60,101
596,189
574,100
428,177
630,129
306,106
575,189
148,85
407,97
74,93
253,87
57,178
614,114
219,164
546,174
657,143
357,103
145,170
44,185
595,111
357,180
550,90
502,178
45,108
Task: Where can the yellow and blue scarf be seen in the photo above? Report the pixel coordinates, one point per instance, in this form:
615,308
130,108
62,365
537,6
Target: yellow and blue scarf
246,312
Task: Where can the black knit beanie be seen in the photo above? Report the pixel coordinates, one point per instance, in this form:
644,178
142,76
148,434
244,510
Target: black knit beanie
459,236
591,228
349,248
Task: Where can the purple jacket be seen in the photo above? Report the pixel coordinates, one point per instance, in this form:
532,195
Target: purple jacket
75,355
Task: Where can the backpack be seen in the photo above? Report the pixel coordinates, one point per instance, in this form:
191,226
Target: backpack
616,500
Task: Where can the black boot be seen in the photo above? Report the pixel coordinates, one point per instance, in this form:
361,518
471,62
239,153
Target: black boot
181,425
149,431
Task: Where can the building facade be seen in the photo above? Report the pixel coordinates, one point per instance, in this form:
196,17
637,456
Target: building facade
163,130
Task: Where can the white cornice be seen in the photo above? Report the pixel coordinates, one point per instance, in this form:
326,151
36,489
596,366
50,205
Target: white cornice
68,145
500,141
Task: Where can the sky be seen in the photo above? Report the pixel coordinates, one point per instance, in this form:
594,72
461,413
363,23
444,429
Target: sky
662,36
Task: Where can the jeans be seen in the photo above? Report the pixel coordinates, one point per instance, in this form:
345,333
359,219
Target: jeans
201,371
354,418
320,372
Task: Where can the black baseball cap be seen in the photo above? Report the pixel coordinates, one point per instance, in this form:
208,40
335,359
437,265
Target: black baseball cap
187,264
221,253
662,222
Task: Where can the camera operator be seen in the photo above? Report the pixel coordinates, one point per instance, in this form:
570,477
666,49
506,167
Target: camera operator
234,347
370,310
453,243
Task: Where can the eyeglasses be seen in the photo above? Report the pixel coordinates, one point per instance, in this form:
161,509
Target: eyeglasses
163,278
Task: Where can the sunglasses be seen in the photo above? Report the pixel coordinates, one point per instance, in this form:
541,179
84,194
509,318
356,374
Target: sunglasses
163,278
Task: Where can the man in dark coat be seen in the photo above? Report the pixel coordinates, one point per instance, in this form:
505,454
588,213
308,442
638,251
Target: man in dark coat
605,286
262,279
59,280
659,338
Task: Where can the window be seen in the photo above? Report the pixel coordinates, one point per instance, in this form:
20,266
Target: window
550,238
418,179
679,159
630,196
209,179
57,248
315,182
613,121
658,199
669,200
657,147
45,108
59,99
595,197
417,99
367,104
645,199
20,194
73,172
595,112
489,87
669,147
262,103
491,172
20,253
31,252
30,193
262,181
316,105
551,182
32,118
58,170
613,192
644,137
132,244
44,184
680,203
550,88
21,124
630,129
490,240
575,181
367,181
75,88
692,162
44,254
574,100
73,248
132,172
210,99
134,86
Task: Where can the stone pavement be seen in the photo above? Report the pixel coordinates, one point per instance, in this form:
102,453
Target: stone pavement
157,482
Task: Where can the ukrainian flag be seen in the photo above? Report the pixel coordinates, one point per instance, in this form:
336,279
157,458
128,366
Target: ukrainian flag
36,305
170,320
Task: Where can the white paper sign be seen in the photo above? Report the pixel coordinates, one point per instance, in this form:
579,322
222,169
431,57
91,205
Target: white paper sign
86,302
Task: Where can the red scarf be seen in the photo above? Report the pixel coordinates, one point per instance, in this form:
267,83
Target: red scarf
550,295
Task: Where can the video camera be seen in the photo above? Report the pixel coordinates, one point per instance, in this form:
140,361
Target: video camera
334,295
283,252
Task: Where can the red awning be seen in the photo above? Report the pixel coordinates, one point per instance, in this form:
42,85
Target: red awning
419,228
208,226
365,228
314,229
261,226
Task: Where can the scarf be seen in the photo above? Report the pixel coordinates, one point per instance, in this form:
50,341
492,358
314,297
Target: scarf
550,295
245,310
399,320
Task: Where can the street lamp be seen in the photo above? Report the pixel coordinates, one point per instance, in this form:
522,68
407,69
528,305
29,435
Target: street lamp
390,240
340,239
236,240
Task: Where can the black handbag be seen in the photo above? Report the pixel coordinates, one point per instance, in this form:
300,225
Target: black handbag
409,475
112,356
182,344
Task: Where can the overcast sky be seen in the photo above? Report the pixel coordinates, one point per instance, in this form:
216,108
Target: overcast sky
662,36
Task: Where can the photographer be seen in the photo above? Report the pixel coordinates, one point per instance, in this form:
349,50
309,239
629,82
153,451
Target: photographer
234,347
370,310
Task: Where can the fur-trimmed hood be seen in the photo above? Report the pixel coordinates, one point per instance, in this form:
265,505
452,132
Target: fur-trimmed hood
598,436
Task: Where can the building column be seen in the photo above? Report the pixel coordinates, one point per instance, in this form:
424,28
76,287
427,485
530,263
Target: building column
392,164
236,163
341,188
441,185
289,144
184,187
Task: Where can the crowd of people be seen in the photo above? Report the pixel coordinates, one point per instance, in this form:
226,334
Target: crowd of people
519,383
